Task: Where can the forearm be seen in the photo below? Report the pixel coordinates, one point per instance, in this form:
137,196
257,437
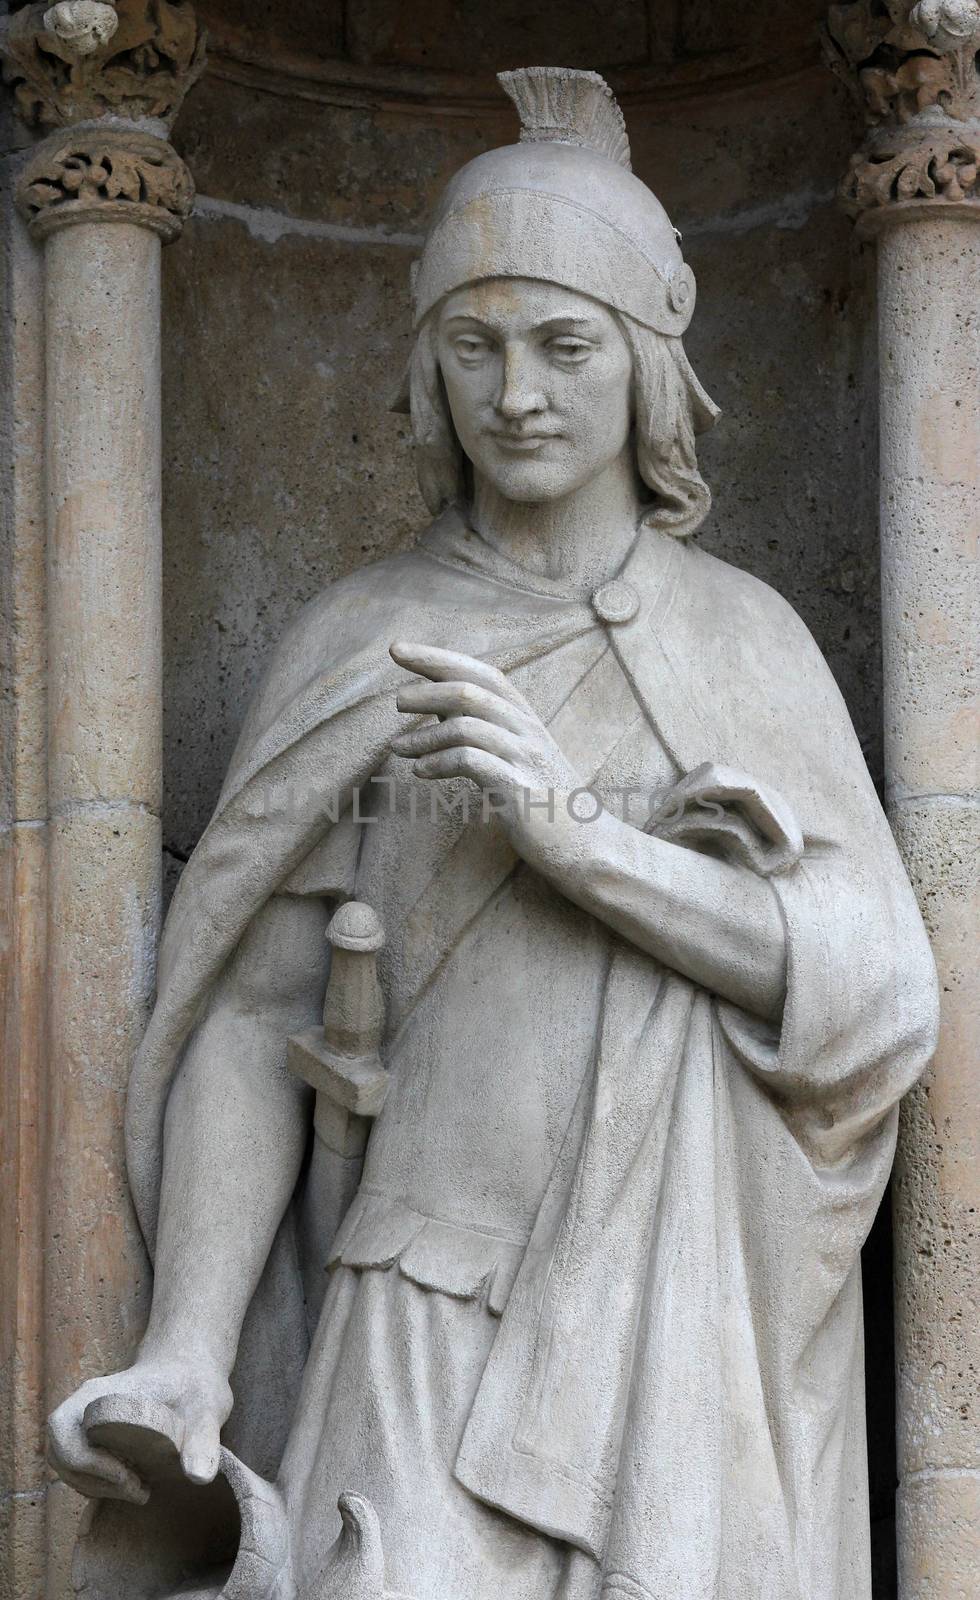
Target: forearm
714,922
234,1140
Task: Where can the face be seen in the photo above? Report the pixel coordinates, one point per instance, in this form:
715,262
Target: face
539,382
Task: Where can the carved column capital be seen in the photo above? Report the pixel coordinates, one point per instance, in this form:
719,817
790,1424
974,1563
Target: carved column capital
913,68
95,174
94,67
83,59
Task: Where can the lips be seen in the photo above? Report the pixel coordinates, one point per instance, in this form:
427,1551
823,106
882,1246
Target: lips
523,441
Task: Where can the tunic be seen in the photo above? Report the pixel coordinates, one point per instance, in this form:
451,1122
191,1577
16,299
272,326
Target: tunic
490,1033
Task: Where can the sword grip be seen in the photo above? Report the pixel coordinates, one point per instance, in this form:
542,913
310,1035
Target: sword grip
353,1006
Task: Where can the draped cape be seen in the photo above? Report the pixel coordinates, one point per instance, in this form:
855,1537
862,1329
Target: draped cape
676,1384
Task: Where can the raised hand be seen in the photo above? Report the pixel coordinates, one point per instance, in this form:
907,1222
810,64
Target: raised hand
486,731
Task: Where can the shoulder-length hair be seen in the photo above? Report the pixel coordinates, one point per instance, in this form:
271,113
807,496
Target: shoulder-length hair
670,408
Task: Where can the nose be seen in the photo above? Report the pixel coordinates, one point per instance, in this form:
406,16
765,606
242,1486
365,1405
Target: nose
520,392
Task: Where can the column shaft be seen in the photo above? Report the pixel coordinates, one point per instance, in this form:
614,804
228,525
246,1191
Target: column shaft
104,698
929,353
99,194
23,921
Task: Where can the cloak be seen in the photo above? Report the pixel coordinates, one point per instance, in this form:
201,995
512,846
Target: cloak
676,1384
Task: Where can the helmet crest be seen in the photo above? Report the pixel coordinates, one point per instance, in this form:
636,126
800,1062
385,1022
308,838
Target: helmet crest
560,104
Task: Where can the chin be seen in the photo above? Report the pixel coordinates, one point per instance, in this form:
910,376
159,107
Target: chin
531,482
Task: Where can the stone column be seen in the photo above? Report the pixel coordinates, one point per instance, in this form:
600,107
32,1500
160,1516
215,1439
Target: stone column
99,197
913,189
23,921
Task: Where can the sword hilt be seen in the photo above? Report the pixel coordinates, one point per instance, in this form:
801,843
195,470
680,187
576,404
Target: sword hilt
353,1005
342,1060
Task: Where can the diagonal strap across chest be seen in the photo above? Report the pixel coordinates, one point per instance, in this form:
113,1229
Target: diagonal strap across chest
589,726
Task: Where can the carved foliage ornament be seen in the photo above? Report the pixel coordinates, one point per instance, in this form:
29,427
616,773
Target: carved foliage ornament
914,70
900,59
943,168
101,175
66,65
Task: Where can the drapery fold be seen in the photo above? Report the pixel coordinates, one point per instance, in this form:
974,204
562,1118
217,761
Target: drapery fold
676,1386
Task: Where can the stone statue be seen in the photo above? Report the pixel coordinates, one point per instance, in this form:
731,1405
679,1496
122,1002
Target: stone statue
540,1253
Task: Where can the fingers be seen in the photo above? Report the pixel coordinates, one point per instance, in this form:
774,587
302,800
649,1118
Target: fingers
471,731
85,1467
200,1453
455,699
443,666
489,772
763,807
132,1490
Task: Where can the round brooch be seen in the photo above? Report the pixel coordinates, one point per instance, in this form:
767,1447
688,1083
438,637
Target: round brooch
617,601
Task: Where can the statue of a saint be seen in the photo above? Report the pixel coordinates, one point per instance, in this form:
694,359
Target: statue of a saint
584,1318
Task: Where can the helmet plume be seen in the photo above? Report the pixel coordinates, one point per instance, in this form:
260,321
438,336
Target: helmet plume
563,105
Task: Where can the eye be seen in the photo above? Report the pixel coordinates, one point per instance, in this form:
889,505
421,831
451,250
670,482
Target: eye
569,350
470,348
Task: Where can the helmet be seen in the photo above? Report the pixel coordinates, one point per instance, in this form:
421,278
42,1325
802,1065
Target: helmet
563,205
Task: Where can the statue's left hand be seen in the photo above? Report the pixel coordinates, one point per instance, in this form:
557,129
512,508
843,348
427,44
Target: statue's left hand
489,733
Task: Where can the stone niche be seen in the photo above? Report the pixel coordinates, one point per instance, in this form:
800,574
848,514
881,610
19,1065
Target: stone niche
318,138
